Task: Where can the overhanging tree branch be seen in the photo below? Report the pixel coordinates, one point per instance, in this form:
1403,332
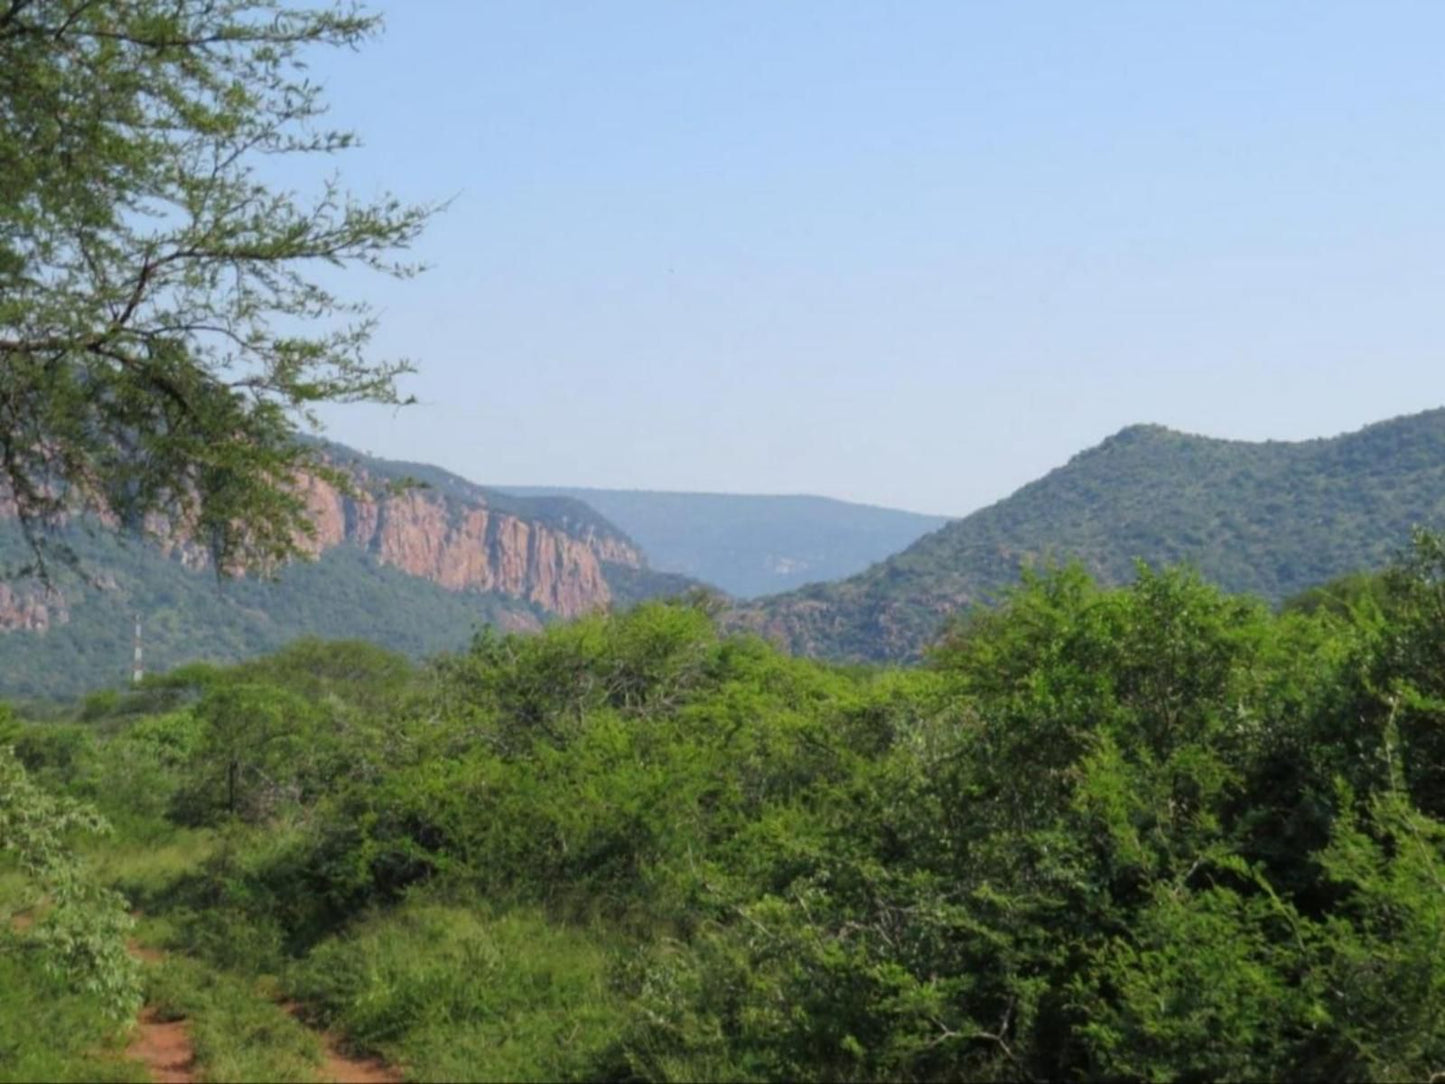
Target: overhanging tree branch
151,288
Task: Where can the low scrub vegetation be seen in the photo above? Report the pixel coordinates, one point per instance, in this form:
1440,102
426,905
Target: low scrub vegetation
1150,832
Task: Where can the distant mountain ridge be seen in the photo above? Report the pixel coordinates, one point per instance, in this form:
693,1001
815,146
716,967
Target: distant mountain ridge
751,545
1271,518
416,568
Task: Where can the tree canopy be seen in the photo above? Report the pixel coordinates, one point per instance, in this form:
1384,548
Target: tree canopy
164,334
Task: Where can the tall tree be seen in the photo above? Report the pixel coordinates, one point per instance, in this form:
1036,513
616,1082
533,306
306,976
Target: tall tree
164,336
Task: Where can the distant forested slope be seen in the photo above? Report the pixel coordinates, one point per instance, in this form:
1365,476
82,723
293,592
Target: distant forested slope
189,615
752,545
1269,518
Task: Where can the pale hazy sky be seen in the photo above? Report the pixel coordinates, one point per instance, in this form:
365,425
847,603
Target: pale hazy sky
908,253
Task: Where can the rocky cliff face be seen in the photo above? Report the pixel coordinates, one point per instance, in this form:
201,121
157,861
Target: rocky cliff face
460,543
31,608
466,545
408,556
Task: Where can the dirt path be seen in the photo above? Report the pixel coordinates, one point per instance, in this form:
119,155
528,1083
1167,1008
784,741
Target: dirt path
164,1048
341,1068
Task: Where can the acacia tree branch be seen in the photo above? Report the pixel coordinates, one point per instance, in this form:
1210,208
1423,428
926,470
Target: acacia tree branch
146,274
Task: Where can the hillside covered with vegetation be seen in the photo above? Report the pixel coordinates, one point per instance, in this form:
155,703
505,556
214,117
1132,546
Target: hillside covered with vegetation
1152,832
752,545
188,614
1270,519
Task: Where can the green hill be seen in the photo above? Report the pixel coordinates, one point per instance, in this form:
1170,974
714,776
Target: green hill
752,545
1269,518
79,638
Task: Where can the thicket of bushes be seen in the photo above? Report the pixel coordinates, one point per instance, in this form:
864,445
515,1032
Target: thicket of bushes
1149,832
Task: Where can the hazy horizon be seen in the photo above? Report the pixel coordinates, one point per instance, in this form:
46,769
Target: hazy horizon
949,515
912,256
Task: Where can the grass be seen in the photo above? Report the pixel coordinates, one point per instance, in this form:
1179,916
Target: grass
143,869
453,993
16,894
239,1031
71,1037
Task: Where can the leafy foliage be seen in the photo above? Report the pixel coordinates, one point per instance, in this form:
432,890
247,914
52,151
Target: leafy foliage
1149,832
162,329
81,932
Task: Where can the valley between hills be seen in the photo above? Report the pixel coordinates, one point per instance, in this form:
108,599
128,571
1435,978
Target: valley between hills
1141,778
420,559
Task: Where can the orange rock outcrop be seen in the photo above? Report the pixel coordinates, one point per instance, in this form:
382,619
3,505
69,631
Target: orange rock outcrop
468,546
459,544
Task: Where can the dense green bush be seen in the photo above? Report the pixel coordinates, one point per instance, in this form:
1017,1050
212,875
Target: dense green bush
1152,832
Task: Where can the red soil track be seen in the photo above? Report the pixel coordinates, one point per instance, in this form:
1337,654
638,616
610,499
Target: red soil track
164,1048
340,1068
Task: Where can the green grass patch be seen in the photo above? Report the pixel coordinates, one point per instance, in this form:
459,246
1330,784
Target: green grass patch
144,869
456,994
16,892
238,1031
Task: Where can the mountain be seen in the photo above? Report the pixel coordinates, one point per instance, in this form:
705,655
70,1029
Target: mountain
1269,518
752,545
418,568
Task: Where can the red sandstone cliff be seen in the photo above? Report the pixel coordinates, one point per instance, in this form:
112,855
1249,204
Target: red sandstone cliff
465,545
460,543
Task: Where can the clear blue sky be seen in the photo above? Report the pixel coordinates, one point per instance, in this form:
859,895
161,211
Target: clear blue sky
908,253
